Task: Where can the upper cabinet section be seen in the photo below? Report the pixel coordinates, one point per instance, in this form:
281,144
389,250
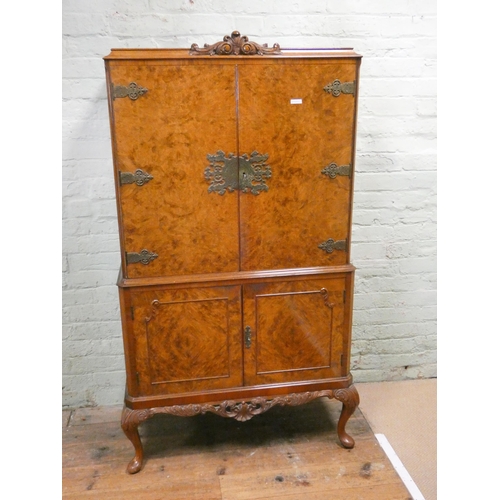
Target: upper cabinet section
235,162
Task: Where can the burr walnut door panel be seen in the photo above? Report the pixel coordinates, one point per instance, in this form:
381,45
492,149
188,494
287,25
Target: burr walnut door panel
188,112
186,340
285,113
293,330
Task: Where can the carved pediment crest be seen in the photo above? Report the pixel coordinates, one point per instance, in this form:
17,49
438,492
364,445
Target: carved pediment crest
236,45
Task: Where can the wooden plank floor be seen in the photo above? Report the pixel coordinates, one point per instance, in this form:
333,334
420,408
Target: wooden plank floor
287,453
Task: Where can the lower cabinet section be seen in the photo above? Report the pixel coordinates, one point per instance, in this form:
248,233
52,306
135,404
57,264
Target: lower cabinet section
236,347
213,337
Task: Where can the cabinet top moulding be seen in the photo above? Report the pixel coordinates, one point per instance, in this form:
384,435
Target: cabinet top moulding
233,46
158,54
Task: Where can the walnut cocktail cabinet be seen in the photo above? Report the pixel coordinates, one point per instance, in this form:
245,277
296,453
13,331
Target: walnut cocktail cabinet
234,170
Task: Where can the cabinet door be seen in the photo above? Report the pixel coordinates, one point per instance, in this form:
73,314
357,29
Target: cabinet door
286,113
293,330
170,223
185,340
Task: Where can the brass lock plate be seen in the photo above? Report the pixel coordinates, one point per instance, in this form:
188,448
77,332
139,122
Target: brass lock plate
246,173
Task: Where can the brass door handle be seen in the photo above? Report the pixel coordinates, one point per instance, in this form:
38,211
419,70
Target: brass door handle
324,294
248,337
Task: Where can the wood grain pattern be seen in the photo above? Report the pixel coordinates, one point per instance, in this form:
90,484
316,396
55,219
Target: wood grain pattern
284,226
173,333
296,335
187,339
293,332
168,132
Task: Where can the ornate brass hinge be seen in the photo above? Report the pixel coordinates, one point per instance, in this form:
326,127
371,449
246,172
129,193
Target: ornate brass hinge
139,177
337,87
230,173
234,45
333,170
133,91
330,245
143,257
248,337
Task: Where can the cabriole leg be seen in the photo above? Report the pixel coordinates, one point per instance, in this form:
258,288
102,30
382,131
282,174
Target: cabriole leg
130,423
350,401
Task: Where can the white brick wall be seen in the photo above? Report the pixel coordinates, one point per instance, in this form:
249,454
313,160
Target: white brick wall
394,233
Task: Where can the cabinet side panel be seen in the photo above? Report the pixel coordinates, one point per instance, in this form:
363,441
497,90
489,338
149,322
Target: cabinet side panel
348,313
126,312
